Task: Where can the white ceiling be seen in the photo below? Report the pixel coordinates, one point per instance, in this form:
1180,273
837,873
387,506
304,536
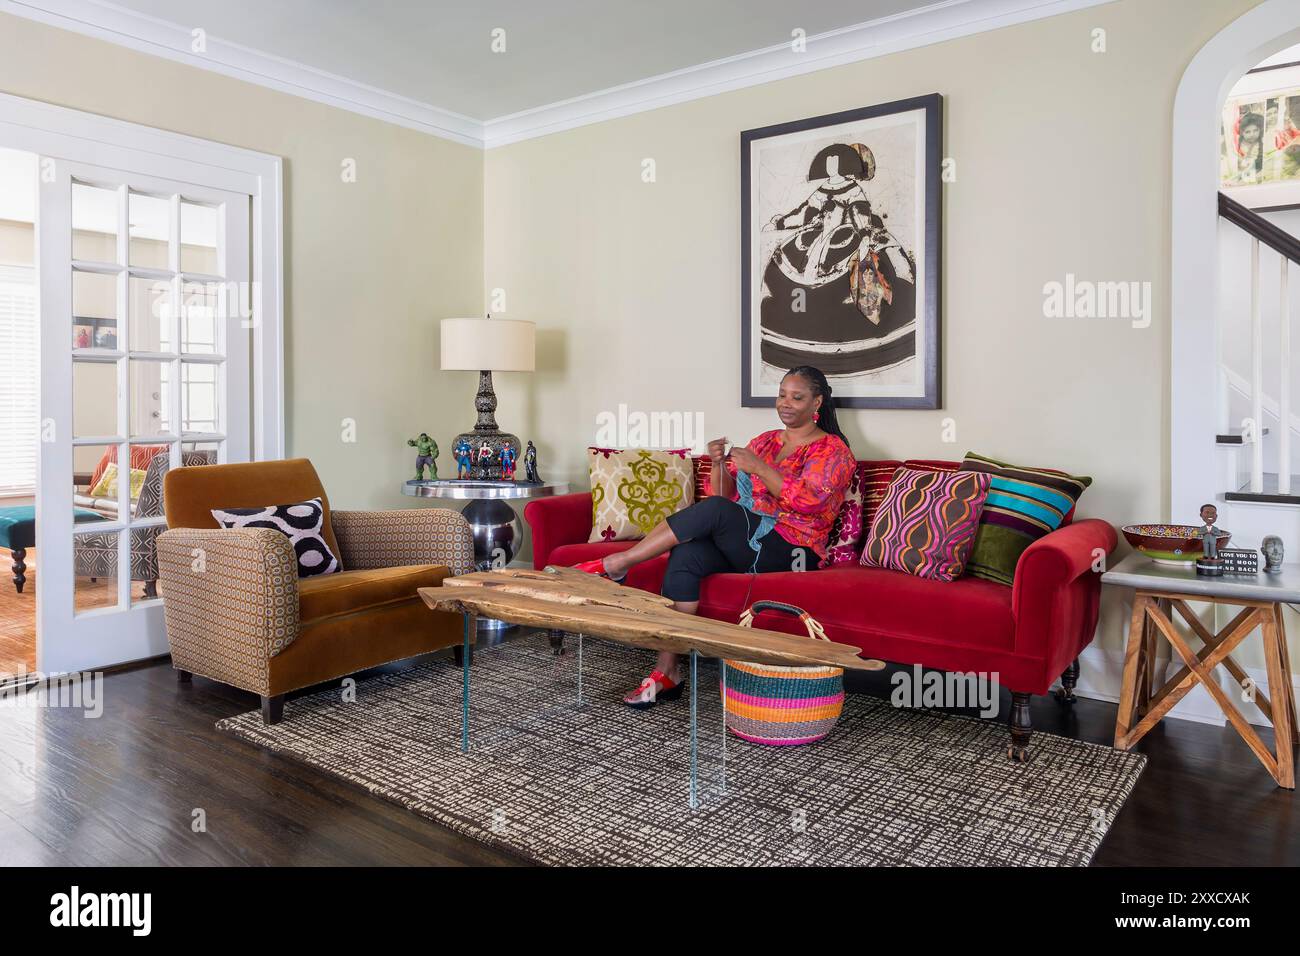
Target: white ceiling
429,64
439,51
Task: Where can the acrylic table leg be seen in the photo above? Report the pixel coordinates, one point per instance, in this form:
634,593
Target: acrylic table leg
464,683
580,670
695,742
722,666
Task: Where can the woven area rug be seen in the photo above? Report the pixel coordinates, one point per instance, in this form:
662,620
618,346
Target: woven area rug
603,784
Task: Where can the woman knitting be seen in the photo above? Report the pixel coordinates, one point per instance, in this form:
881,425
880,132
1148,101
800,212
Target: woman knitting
773,514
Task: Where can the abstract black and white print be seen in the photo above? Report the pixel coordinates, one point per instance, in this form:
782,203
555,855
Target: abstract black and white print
301,523
841,254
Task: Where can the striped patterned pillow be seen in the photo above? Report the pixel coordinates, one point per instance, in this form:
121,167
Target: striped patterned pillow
1023,505
927,523
702,466
866,490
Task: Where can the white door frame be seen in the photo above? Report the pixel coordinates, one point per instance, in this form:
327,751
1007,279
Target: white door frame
1272,26
84,137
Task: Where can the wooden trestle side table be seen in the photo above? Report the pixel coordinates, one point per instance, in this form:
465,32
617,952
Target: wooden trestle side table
1161,590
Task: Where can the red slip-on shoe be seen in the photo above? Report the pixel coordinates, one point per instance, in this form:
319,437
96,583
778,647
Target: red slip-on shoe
597,566
658,686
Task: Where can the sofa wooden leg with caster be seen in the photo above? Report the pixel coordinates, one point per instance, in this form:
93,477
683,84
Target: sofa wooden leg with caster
1021,727
1069,679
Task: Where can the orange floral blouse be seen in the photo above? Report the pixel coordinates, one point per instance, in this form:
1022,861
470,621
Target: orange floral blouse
816,477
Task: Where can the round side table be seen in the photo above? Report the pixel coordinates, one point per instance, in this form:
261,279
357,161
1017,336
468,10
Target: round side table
498,532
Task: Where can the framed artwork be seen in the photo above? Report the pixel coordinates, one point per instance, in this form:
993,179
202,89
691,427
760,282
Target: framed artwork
840,249
1259,142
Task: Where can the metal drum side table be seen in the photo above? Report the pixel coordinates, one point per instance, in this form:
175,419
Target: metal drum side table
498,532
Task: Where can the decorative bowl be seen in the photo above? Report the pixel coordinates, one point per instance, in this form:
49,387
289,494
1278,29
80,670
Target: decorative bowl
1175,544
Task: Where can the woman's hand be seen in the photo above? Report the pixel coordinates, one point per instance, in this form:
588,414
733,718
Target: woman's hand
717,450
745,460
748,462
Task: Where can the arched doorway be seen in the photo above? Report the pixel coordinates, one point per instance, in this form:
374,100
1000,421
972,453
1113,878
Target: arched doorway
1194,477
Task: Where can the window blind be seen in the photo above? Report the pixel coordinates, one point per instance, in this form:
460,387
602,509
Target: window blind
19,381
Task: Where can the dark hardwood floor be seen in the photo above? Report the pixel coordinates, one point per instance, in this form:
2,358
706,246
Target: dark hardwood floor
124,788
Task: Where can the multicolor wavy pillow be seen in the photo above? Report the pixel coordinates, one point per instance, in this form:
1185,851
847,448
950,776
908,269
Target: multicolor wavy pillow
1023,505
866,491
633,489
926,523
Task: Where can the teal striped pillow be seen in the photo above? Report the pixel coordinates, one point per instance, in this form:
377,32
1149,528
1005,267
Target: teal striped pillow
1023,505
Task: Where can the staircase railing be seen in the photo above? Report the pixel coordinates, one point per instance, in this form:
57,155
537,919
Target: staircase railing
1263,232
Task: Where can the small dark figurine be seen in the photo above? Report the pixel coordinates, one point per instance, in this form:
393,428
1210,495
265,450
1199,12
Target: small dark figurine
1209,563
484,455
463,452
508,463
530,464
426,454
1272,549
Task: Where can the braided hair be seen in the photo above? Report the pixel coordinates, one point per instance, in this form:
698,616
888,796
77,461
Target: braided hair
816,380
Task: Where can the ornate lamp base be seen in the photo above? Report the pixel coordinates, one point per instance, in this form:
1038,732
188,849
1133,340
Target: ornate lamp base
487,467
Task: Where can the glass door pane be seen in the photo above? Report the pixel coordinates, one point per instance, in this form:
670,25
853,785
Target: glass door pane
137,388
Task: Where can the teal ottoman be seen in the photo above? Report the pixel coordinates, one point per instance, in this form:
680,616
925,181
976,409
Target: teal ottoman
18,533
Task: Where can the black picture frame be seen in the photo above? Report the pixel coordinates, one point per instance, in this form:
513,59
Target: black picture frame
929,246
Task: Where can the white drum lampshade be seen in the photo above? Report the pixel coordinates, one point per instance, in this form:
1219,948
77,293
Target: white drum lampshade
488,345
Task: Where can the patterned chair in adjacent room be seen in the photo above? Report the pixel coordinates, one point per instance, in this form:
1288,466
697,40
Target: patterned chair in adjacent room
237,612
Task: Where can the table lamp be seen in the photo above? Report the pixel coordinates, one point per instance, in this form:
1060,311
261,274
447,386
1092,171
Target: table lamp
486,346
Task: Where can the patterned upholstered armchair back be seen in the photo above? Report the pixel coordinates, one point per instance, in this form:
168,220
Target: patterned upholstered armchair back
150,502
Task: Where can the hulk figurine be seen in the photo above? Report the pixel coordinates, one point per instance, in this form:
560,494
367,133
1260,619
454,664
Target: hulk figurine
426,453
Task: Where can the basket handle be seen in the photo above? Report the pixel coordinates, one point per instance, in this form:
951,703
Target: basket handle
815,629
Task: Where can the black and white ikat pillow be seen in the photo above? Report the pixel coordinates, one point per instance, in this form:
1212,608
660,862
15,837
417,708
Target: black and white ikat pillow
301,523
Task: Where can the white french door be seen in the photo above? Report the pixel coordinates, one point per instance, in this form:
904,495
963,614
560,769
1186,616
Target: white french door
145,337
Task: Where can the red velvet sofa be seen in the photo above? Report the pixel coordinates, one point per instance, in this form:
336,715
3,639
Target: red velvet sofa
1029,633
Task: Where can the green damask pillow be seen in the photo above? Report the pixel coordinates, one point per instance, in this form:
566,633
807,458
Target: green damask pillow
633,489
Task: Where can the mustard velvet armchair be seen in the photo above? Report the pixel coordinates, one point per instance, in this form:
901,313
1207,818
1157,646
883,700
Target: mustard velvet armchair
236,611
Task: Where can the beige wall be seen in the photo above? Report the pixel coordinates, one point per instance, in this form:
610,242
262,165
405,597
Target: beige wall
370,266
1063,160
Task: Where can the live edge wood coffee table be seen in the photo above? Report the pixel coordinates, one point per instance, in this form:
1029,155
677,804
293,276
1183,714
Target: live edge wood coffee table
1158,591
563,599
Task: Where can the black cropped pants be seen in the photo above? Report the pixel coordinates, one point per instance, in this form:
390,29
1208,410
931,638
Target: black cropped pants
714,538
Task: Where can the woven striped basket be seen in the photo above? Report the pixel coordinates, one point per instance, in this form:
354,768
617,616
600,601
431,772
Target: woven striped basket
778,704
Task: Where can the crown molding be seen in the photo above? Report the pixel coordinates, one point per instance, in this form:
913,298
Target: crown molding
935,23
172,41
945,20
